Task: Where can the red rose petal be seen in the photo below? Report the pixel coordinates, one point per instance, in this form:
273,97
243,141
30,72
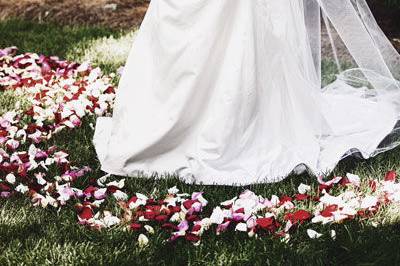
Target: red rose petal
327,212
139,213
241,210
391,176
188,204
112,189
169,226
192,238
110,90
301,197
86,213
284,199
135,226
3,133
151,201
288,217
265,222
132,200
372,185
174,209
154,208
90,190
321,187
196,228
362,213
149,215
24,157
4,187
192,218
301,215
161,202
161,218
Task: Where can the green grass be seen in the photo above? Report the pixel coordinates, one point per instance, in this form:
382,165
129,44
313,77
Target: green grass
329,70
9,100
48,39
35,236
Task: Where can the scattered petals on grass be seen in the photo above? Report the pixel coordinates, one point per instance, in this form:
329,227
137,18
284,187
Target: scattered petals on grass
60,94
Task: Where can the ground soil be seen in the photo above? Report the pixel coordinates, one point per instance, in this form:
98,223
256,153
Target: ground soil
120,14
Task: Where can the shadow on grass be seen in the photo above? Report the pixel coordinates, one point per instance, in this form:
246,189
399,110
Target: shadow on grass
41,237
47,38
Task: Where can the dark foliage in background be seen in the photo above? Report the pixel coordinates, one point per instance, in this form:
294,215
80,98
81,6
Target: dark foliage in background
393,3
387,13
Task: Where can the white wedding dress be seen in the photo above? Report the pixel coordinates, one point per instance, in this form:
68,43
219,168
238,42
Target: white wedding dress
229,92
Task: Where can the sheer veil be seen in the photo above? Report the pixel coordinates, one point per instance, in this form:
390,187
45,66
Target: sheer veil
375,67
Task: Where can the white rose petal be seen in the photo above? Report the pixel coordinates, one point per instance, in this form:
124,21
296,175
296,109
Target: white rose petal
10,178
289,225
141,196
333,234
100,193
149,229
331,200
22,189
217,216
275,200
368,202
206,223
98,203
242,227
119,195
313,234
120,184
303,189
110,220
174,190
103,179
176,217
348,211
40,179
354,179
143,241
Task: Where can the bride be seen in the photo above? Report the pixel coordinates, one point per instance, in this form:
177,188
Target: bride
229,92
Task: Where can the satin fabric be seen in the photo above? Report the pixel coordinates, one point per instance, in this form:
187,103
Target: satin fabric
227,92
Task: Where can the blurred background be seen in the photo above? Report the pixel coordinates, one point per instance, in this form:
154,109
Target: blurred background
125,14
101,31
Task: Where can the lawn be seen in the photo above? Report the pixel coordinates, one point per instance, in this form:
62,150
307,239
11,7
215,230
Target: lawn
36,236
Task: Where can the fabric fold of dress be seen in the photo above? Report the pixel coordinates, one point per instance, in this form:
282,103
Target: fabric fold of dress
229,92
